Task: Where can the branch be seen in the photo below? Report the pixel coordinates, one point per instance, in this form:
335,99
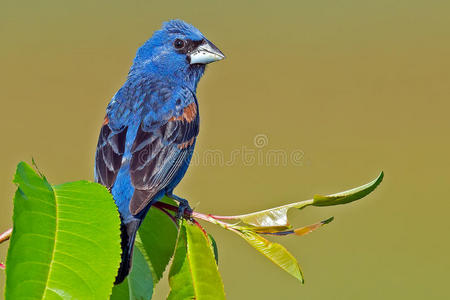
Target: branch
5,235
208,218
275,220
3,238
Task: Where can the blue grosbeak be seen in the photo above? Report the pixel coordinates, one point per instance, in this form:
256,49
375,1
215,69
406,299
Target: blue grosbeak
151,125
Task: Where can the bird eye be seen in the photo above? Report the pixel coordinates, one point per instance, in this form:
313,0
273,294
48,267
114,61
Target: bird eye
179,44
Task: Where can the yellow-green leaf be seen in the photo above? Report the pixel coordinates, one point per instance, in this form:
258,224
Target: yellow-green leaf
349,195
277,217
273,251
284,230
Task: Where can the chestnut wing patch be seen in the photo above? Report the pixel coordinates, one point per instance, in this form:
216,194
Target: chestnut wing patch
159,154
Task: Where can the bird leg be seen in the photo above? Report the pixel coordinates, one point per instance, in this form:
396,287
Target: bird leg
183,209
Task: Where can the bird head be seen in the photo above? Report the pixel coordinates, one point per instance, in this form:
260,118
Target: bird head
177,50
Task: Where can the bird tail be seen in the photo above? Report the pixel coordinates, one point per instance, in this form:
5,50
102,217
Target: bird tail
127,234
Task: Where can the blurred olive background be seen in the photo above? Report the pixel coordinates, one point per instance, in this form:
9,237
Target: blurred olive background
356,86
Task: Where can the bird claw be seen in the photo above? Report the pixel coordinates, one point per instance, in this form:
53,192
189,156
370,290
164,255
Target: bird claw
184,211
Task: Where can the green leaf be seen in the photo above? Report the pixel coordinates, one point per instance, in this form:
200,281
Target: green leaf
194,273
180,276
121,291
214,246
348,196
139,283
154,247
65,242
273,251
156,240
277,217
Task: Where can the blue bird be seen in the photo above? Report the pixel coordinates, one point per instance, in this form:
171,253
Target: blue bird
151,126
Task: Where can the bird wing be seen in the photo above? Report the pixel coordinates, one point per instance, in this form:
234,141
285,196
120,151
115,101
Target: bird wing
161,153
108,157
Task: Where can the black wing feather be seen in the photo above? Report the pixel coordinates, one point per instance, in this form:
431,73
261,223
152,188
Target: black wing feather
108,157
158,153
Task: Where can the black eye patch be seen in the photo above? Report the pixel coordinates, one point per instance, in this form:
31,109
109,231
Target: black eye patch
190,46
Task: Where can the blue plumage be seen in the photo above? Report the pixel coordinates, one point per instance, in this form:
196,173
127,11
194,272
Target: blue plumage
151,125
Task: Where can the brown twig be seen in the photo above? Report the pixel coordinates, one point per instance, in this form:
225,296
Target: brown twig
193,214
5,235
166,206
168,214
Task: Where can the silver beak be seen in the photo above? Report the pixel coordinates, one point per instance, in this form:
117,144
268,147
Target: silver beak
205,53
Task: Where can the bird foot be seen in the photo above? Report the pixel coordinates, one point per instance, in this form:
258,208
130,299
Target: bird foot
184,209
